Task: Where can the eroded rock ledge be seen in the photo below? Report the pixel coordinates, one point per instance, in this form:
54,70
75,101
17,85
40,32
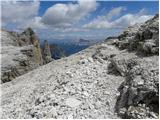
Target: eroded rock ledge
139,94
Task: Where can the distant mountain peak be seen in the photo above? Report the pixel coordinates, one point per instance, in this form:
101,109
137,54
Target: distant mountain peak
28,31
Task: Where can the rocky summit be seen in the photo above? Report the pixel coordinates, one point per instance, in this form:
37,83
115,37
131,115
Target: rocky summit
20,53
47,57
118,78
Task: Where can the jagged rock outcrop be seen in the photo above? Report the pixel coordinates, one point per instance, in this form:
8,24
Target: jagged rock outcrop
20,52
140,92
102,81
56,51
47,57
143,38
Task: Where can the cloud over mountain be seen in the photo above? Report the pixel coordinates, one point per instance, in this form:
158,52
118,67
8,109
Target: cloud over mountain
79,17
106,22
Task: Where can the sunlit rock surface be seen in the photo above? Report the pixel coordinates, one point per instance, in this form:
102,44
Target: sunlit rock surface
113,79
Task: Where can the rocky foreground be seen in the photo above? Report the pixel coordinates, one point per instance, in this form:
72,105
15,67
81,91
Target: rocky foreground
115,79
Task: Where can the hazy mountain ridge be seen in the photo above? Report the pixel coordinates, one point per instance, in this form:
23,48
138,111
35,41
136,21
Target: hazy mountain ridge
86,42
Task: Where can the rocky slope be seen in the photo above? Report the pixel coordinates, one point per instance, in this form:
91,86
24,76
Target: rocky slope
20,53
114,79
140,92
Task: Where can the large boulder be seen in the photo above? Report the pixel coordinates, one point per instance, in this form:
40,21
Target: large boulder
139,96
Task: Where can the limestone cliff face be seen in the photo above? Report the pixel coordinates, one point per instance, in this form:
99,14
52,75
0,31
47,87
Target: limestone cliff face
31,38
37,51
47,53
20,52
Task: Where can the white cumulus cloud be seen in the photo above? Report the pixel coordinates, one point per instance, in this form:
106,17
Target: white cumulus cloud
129,20
114,12
67,14
106,22
34,23
18,11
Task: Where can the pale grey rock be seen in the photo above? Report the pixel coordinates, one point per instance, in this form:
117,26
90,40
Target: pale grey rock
18,58
51,88
47,57
52,113
141,73
72,102
141,82
21,53
116,84
142,38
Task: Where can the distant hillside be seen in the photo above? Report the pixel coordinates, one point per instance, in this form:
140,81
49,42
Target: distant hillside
71,48
86,42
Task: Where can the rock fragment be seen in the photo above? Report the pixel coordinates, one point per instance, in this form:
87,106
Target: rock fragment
73,102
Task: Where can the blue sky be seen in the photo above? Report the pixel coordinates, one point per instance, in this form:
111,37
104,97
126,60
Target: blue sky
72,20
133,6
